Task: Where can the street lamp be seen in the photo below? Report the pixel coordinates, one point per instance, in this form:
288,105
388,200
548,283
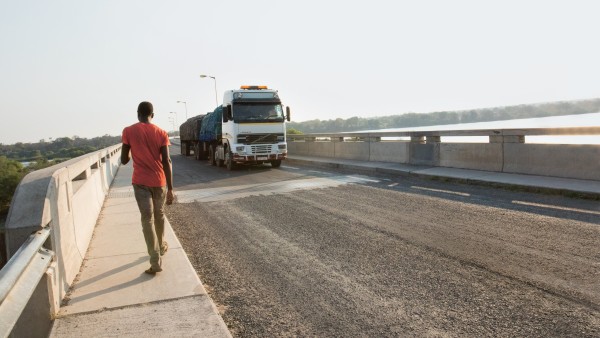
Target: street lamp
185,104
212,77
172,123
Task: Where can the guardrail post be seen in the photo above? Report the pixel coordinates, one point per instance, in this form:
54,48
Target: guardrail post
433,139
417,139
507,139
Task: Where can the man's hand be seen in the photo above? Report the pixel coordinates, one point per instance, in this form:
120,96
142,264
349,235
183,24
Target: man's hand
170,197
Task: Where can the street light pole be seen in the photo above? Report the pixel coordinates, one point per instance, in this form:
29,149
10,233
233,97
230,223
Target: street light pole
212,77
172,123
185,104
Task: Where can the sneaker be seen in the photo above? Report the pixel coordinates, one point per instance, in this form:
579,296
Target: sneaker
164,248
153,271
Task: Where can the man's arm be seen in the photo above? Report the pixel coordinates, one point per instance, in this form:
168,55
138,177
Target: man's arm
125,157
168,169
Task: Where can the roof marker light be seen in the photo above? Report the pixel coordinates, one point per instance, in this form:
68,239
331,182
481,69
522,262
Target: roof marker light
254,87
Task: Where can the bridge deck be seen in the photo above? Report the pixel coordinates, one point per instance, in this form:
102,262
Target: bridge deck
112,296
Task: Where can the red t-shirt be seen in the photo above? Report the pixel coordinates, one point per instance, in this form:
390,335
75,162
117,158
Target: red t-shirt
145,140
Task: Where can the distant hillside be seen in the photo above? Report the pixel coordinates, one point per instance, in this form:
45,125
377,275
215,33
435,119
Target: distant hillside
450,117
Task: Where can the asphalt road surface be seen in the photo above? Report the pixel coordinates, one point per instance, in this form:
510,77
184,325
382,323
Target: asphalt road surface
301,251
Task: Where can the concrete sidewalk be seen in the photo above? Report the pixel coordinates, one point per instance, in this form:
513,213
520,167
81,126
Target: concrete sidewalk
113,297
531,182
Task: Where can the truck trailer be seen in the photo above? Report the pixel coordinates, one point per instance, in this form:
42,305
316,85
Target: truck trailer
248,128
189,133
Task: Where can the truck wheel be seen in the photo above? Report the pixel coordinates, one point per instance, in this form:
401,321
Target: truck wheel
276,163
229,161
187,149
211,155
197,151
202,152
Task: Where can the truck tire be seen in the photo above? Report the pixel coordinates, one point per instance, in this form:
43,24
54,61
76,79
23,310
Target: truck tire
203,155
276,163
229,161
182,148
211,155
197,152
220,161
187,149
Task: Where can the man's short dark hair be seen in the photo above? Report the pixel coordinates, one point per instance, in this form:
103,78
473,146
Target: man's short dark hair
145,108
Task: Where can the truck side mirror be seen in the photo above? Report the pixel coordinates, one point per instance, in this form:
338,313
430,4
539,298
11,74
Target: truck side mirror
287,113
229,116
226,113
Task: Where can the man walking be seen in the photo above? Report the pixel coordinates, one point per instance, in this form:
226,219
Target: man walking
152,179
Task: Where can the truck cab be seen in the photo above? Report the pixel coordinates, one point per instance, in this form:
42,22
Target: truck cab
253,129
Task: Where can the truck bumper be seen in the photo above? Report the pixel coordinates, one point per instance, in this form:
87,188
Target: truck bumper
260,158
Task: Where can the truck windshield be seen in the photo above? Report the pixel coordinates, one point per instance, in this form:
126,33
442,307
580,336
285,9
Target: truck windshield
257,112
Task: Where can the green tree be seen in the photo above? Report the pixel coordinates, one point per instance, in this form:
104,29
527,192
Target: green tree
293,131
11,173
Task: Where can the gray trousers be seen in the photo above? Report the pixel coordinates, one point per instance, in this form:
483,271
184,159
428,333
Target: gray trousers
151,201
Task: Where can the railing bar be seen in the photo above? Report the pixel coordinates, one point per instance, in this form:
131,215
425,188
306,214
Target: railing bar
20,260
460,132
16,301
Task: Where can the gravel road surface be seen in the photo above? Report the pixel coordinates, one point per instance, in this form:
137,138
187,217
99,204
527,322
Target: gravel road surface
343,255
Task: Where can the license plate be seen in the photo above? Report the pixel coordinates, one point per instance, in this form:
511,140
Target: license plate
261,158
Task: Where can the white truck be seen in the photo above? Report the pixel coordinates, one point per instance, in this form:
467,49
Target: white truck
248,128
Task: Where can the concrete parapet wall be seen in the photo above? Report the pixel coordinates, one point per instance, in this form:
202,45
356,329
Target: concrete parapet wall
352,150
568,160
67,198
477,156
396,152
505,152
299,148
424,154
322,149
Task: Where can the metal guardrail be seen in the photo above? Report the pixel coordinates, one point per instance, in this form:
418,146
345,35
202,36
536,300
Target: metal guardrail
20,277
466,132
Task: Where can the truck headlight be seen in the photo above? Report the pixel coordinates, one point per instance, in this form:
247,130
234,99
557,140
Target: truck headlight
281,146
239,149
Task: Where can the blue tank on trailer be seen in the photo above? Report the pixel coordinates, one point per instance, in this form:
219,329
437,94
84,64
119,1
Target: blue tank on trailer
212,126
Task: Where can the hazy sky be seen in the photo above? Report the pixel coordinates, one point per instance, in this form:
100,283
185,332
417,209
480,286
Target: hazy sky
81,67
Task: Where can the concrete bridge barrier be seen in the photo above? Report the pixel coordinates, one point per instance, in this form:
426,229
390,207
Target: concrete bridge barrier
64,201
505,151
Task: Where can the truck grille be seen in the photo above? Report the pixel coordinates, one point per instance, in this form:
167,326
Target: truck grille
261,149
258,138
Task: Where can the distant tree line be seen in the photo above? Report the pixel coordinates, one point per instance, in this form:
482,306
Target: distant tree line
58,149
449,117
41,155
